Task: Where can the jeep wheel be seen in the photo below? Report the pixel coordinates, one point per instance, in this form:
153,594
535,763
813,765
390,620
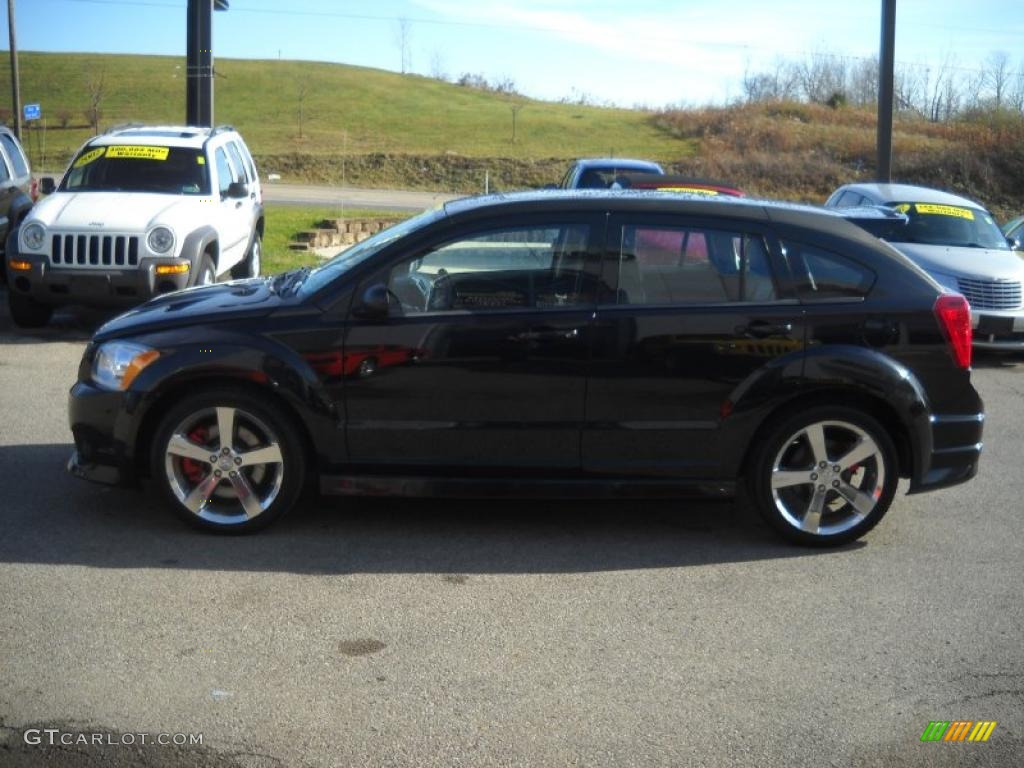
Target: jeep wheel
26,312
250,266
825,476
205,274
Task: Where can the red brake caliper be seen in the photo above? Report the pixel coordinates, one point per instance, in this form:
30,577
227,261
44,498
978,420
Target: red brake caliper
194,470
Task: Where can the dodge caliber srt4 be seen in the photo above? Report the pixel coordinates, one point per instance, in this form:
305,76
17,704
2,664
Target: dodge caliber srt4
552,343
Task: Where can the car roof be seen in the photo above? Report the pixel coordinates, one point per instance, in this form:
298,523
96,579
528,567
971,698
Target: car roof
164,135
910,193
617,162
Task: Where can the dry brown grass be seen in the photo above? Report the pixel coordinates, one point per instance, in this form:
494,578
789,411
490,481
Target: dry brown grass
804,151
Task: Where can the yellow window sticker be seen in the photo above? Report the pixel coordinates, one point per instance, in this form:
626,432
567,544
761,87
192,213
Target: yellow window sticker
903,208
138,152
200,160
944,210
88,157
690,190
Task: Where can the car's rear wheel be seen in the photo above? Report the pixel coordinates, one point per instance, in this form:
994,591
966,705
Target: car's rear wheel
824,476
26,312
226,462
250,266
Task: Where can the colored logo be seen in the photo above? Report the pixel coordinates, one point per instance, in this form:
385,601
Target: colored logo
958,730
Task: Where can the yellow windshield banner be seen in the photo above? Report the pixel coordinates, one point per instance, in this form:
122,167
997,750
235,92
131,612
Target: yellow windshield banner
690,190
88,157
138,152
944,210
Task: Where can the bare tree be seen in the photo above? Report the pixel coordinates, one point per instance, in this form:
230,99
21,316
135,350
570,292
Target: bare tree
403,36
776,84
996,77
95,86
822,77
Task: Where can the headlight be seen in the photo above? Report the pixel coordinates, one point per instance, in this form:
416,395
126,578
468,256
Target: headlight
32,236
117,363
160,240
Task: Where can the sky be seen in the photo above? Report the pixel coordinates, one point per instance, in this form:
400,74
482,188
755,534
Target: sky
625,52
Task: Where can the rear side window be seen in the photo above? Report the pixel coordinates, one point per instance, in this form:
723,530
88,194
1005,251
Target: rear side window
680,265
850,200
4,173
236,159
14,152
821,274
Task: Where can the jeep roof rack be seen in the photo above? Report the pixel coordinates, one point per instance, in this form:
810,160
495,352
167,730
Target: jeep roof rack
221,129
122,127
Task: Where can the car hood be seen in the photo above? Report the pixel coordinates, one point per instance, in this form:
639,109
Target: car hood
110,211
235,300
991,263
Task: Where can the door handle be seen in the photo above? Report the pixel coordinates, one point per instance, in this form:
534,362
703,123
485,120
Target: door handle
760,329
548,335
238,204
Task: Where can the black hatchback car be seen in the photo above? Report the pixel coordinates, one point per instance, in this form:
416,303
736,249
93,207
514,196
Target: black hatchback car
558,344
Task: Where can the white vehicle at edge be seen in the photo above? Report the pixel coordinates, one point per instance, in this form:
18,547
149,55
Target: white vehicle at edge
957,242
140,211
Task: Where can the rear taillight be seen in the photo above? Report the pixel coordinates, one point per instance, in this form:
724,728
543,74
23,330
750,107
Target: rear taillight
954,316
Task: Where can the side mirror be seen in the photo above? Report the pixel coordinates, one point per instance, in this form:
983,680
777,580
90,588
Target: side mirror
374,304
46,185
1016,243
238,190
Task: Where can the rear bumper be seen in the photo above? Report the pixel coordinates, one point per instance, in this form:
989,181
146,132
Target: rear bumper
955,452
95,287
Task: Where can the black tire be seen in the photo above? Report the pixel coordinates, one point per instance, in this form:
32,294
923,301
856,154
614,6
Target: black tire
788,483
205,272
10,247
189,480
26,312
251,264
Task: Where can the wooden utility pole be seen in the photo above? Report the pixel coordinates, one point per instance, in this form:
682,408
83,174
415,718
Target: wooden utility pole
885,90
15,78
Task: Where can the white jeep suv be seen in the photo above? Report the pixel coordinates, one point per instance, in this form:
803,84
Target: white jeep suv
140,211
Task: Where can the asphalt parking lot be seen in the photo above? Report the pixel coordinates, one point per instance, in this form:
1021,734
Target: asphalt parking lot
409,633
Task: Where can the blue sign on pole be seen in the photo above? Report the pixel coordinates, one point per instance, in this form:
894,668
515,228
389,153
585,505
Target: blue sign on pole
32,112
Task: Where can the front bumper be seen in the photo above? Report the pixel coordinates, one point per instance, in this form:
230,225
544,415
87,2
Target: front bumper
998,330
104,432
93,286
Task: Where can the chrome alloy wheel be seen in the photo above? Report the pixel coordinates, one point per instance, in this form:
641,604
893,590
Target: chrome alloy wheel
828,477
224,465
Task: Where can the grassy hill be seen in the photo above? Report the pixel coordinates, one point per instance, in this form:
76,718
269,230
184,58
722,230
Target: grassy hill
374,128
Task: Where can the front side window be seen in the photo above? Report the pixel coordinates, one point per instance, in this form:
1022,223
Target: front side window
821,274
679,265
498,269
14,152
137,168
225,172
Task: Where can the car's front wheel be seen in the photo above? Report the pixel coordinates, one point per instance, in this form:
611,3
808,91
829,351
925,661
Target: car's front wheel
824,476
226,462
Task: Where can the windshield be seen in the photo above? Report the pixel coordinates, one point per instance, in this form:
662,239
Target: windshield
360,252
952,225
136,168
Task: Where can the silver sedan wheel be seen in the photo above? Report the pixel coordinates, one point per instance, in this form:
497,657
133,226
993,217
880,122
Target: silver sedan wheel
224,465
828,477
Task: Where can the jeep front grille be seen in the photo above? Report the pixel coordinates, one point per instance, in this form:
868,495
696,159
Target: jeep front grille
74,250
990,294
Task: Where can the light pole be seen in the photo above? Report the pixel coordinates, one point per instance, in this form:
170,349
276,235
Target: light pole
15,78
885,90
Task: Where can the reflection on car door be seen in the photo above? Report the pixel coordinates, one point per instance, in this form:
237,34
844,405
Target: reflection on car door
482,360
696,313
